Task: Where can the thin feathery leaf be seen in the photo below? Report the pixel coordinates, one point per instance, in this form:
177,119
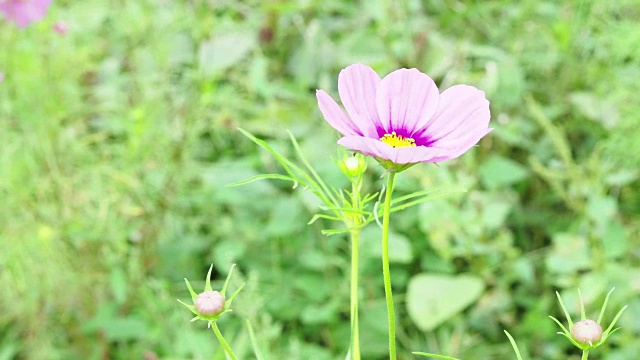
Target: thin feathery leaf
575,343
339,193
265,176
254,342
559,324
615,319
427,197
329,232
286,163
423,193
235,294
435,356
193,294
207,283
369,197
375,213
583,316
345,209
336,231
413,203
604,306
290,168
226,282
513,345
322,216
310,168
605,337
190,307
566,313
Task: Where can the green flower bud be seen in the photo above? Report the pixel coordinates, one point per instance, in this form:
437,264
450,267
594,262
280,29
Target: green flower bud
209,303
586,332
353,166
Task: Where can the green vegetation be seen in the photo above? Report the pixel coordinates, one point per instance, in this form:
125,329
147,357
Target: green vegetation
118,138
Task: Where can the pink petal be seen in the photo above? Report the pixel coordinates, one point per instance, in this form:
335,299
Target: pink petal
406,100
24,12
376,148
357,85
461,121
334,115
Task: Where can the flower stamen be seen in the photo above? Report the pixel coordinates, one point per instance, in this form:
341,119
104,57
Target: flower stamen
394,140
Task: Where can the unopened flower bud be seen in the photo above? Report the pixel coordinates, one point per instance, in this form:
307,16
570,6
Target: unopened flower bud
209,303
353,165
586,332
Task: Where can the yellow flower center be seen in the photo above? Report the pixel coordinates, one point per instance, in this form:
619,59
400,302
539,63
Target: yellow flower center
396,141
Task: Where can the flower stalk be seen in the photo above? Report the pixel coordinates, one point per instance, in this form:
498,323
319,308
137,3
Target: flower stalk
353,167
355,332
223,342
355,235
385,266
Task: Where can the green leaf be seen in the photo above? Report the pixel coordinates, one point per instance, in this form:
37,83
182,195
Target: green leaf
568,254
614,241
601,209
224,50
119,285
318,314
125,328
433,299
499,172
287,217
595,108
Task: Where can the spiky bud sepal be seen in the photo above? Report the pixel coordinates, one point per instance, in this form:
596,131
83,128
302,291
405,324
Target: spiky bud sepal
210,314
592,341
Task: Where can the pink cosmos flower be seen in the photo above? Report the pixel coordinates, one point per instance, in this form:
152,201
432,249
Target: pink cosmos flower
403,119
24,12
1,77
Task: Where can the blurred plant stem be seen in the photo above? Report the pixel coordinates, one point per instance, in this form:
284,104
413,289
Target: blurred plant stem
355,273
385,266
223,342
585,354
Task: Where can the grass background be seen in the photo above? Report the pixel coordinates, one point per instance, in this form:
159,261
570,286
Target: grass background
117,139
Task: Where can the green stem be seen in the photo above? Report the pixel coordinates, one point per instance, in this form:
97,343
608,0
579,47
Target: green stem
355,234
385,267
355,337
585,354
223,342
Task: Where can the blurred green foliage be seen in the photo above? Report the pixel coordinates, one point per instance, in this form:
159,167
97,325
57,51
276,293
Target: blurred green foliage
116,141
